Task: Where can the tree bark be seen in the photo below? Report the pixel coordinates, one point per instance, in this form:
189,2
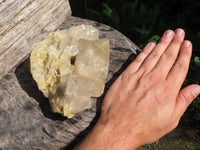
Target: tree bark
23,23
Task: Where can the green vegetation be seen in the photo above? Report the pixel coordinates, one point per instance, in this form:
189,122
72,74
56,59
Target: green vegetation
144,21
158,145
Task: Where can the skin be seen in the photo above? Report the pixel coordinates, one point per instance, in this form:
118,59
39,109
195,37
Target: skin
146,101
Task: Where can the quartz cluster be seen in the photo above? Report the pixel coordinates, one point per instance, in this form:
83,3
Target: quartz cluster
70,67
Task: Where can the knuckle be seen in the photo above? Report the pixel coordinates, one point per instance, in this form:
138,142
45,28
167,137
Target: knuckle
152,77
186,96
164,90
164,41
177,41
155,55
145,52
169,56
169,85
181,66
125,77
138,59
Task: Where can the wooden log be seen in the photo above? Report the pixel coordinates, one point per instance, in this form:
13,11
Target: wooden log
26,120
23,23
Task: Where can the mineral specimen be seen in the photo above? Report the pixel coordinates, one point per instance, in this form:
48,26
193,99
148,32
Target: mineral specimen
70,67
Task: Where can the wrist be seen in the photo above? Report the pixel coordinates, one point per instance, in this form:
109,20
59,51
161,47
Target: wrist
105,136
117,138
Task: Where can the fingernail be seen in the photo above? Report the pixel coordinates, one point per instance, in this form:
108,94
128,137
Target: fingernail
179,32
186,43
168,33
196,91
150,45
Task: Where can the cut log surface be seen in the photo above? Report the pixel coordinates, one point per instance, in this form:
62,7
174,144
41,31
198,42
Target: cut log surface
23,23
26,121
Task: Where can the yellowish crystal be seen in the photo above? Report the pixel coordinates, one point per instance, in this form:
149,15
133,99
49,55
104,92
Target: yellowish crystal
70,66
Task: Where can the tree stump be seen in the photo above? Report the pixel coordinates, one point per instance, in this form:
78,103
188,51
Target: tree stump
23,23
26,120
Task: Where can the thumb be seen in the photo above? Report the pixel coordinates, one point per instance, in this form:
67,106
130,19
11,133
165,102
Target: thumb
185,98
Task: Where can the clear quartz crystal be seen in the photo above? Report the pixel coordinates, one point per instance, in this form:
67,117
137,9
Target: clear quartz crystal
70,66
92,60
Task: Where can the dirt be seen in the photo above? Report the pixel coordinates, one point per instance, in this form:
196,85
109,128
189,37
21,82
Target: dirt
184,137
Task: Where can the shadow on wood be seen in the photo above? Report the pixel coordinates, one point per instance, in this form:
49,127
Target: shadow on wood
29,85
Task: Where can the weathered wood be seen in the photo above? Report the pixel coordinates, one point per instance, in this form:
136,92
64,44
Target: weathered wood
26,121
23,23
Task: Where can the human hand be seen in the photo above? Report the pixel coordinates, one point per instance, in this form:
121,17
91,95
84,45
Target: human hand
146,102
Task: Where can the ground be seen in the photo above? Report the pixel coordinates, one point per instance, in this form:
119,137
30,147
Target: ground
184,137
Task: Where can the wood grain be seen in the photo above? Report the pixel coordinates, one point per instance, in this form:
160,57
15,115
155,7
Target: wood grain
23,23
26,121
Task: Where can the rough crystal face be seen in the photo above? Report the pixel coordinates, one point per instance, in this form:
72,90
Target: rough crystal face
93,58
70,66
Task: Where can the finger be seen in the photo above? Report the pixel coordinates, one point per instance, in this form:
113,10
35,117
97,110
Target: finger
184,99
141,57
153,58
179,71
168,58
